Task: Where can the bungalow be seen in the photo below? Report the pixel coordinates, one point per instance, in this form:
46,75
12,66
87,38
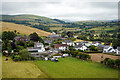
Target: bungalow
68,42
108,49
61,47
96,43
81,47
118,51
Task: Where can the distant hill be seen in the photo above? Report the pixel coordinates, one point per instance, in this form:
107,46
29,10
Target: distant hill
39,22
7,26
44,23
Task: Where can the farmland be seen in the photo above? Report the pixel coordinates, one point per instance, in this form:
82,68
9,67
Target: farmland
75,68
24,69
22,29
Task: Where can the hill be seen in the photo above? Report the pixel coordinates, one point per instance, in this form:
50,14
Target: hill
6,26
35,21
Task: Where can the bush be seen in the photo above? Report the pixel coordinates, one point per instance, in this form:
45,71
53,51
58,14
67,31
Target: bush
112,63
56,55
17,58
94,51
31,44
25,55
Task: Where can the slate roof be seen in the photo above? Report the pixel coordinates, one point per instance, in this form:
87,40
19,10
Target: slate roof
106,47
38,43
78,46
118,48
96,42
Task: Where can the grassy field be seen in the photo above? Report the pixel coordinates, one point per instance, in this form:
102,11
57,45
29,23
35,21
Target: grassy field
23,69
22,29
74,68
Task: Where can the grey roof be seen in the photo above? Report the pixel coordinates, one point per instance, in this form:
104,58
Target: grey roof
38,43
77,46
118,48
96,42
80,42
106,47
48,41
67,41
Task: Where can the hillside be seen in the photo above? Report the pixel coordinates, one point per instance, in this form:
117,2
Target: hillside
6,26
35,21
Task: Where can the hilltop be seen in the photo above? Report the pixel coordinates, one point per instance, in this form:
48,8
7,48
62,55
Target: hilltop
6,26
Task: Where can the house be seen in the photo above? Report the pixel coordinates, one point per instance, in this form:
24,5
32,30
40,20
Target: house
65,55
75,36
81,47
54,36
66,36
56,56
108,49
68,42
96,43
37,50
100,47
48,41
22,38
87,44
118,51
37,44
79,43
40,46
61,47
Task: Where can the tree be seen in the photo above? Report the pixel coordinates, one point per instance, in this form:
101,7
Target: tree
9,48
8,35
15,31
25,55
93,48
4,35
34,37
111,63
106,60
31,44
117,63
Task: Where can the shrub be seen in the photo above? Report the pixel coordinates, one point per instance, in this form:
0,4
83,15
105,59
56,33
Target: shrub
25,55
17,58
56,54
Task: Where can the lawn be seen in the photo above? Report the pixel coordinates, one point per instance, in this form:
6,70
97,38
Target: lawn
74,68
23,69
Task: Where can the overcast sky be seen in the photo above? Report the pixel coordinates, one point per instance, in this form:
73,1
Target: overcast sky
73,10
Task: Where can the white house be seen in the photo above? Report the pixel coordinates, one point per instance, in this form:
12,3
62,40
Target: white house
87,44
56,56
68,42
96,43
118,51
61,47
81,47
79,43
39,46
108,49
65,55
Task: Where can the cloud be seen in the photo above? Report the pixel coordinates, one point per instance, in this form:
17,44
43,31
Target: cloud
64,9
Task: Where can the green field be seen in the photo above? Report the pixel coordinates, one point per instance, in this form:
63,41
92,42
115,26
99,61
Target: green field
74,68
23,69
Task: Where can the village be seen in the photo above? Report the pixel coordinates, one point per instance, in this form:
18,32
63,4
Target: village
55,46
